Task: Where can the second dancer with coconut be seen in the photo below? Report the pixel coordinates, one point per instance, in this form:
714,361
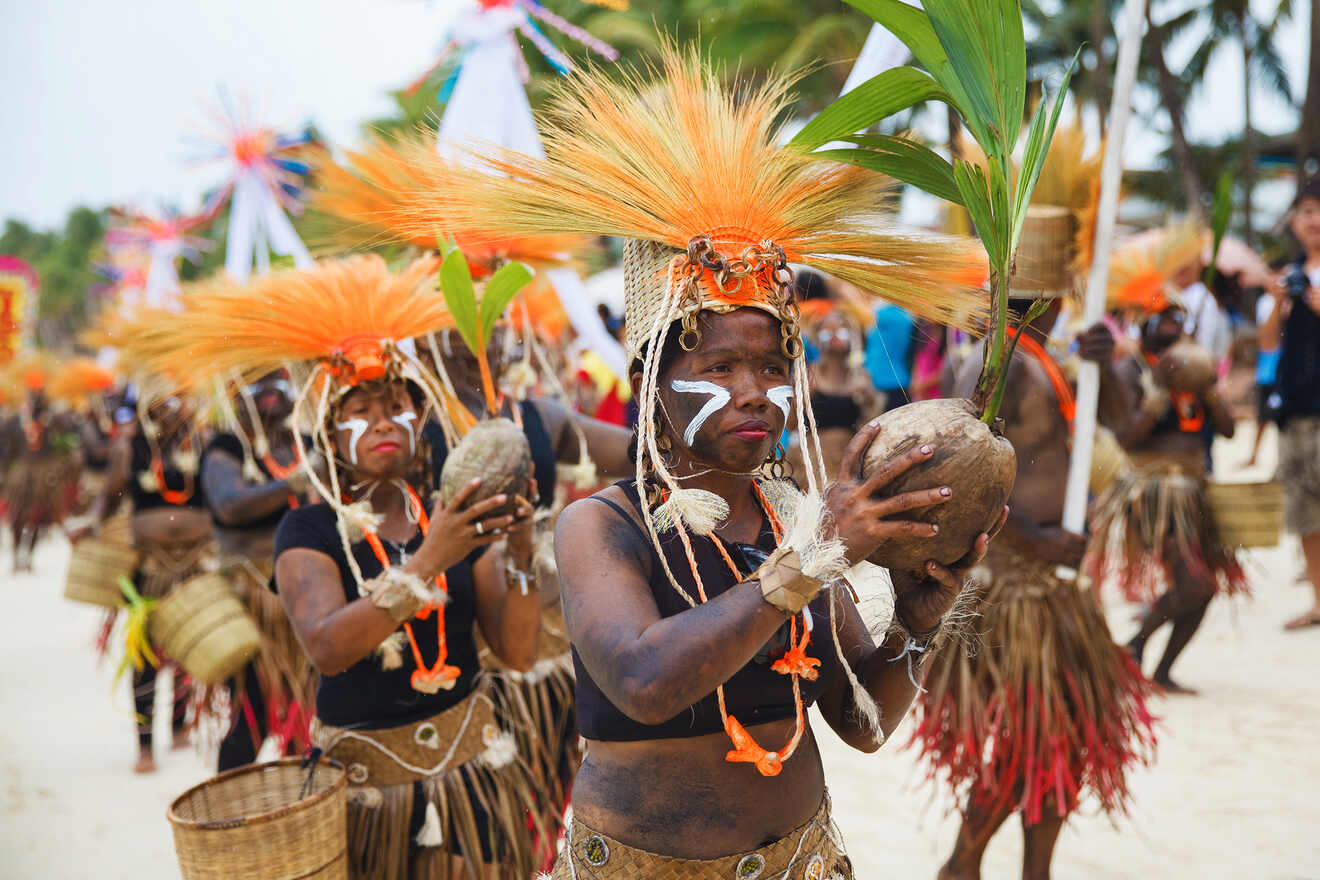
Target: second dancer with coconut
707,606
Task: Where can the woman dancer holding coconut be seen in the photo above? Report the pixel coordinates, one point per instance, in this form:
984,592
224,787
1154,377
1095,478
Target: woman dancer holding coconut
706,605
383,589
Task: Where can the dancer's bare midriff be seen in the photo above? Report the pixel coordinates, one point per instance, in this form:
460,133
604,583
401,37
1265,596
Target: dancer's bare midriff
171,525
680,797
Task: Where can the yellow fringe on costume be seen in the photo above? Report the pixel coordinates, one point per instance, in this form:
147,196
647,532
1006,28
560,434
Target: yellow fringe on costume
682,156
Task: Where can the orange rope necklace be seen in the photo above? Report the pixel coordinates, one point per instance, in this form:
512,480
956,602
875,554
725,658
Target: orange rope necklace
795,664
441,671
177,497
1062,390
1186,405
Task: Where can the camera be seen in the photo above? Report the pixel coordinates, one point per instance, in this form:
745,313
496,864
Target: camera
1296,283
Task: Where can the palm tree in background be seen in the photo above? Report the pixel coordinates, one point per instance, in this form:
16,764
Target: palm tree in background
1057,29
1232,23
1220,25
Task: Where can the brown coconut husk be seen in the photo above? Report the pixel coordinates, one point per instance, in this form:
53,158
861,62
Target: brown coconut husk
497,451
1187,366
973,458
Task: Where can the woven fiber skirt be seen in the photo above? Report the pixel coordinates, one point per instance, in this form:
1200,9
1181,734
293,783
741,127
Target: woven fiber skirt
813,851
283,672
1046,706
1157,513
420,793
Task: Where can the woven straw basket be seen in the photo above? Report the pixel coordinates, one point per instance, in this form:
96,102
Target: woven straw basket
1248,514
1045,250
98,563
204,626
264,822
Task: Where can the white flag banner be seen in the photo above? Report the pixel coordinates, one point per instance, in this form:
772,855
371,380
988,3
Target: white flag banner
257,225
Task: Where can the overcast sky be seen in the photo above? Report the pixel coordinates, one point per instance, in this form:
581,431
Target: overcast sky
99,98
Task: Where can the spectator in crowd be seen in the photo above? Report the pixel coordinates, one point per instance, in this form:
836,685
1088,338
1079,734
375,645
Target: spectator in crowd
889,354
1293,328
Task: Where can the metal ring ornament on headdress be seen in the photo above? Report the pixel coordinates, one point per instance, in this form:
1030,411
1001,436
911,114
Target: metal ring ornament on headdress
690,338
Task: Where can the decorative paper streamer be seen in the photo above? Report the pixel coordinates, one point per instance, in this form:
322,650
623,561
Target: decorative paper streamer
136,237
265,182
489,105
18,305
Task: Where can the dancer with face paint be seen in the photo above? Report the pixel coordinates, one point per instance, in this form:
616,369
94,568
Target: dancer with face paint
154,462
705,600
383,586
251,477
842,395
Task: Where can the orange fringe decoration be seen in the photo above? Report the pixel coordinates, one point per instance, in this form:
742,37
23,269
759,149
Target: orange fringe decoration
674,156
1141,272
76,381
372,194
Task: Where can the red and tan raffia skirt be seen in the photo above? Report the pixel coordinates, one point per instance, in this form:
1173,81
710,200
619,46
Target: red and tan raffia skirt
284,674
812,852
1153,515
476,796
1046,709
40,490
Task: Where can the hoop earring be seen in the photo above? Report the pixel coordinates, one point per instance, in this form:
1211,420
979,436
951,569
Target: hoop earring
777,465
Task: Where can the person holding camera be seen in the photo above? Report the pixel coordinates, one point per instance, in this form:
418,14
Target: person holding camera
1294,329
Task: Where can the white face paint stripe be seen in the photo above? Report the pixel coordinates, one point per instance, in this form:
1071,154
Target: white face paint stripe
719,398
405,420
356,427
780,395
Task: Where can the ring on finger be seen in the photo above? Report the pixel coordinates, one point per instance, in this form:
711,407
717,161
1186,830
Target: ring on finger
481,528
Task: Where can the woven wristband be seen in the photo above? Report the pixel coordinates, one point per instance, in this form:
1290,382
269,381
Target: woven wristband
399,594
783,584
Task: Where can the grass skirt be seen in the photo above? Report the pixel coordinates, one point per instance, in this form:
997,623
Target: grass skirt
1046,709
283,672
1155,514
40,490
813,851
460,771
539,704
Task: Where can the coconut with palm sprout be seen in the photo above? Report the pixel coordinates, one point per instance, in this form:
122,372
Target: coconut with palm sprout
973,57
494,448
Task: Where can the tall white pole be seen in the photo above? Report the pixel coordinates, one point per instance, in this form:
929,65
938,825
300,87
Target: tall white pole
1111,175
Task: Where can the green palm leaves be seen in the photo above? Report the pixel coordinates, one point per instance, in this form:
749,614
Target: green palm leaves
973,57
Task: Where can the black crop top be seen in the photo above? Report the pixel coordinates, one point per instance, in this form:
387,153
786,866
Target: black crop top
230,444
835,410
365,695
174,480
755,694
543,453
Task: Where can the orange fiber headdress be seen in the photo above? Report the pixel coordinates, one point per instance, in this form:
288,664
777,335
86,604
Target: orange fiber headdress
1141,271
694,169
372,194
347,315
77,380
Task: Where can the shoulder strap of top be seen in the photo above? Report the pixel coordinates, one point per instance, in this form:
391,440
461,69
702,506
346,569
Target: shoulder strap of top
623,514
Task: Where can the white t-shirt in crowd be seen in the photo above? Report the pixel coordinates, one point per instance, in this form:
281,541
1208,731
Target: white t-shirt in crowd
1206,321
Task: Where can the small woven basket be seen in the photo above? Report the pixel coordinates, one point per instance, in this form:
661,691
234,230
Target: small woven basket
271,821
98,563
204,626
1248,514
1045,250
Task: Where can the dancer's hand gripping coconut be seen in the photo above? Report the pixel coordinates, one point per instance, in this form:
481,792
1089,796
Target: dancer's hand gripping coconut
383,588
707,605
